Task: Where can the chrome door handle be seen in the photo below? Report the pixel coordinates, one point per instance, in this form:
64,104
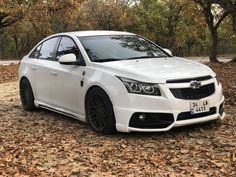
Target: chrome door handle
34,67
53,73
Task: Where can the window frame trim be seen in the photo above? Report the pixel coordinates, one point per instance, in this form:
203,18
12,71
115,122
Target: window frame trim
80,53
56,49
41,43
34,50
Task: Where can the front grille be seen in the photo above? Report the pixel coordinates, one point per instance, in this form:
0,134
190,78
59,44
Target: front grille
193,94
152,120
188,115
203,78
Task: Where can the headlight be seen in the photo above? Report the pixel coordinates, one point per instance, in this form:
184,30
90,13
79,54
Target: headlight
142,88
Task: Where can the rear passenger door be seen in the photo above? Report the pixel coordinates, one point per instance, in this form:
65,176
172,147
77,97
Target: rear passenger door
44,72
33,68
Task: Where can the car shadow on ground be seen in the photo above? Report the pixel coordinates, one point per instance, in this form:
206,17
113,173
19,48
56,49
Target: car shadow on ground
185,130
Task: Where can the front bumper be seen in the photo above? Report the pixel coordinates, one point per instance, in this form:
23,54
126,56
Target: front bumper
168,104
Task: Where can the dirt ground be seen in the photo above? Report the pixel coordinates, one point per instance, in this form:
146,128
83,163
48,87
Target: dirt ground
44,143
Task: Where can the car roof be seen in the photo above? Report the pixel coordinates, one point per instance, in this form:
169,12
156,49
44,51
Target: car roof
97,33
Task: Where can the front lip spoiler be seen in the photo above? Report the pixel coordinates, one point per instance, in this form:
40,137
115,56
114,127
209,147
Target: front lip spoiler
199,120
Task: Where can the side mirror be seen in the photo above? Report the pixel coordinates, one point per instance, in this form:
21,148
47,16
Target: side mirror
68,59
168,51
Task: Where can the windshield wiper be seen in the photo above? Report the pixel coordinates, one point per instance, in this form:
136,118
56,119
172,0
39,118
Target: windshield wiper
131,58
107,60
143,57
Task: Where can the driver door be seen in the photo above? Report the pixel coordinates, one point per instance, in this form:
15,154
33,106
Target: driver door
67,88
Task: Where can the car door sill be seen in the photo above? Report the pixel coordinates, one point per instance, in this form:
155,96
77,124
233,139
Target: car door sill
60,111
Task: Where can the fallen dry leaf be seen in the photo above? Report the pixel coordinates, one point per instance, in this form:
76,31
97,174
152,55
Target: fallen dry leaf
44,143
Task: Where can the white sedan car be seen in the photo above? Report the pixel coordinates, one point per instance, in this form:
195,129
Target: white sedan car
118,81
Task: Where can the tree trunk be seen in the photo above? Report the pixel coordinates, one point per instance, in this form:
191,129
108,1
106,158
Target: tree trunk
16,46
213,52
1,46
234,21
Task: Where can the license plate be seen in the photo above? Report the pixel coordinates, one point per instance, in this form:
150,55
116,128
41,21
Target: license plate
199,106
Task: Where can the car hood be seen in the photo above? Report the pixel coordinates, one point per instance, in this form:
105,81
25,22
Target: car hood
156,70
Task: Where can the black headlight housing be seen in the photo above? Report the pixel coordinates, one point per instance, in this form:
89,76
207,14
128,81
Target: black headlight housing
138,87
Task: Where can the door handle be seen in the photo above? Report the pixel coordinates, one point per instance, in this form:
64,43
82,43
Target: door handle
34,67
53,73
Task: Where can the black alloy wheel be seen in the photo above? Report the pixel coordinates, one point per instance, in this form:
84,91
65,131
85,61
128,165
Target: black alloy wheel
26,95
99,111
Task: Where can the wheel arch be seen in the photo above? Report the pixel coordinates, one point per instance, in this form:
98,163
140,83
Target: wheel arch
24,77
26,94
98,85
92,87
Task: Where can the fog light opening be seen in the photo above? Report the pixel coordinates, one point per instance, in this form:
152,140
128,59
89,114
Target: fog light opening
142,117
221,109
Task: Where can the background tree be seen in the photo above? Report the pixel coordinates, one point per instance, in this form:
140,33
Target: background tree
213,16
106,15
41,18
157,20
63,14
179,25
10,12
228,6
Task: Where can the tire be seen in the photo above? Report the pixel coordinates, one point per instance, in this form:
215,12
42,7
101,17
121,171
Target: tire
99,111
26,95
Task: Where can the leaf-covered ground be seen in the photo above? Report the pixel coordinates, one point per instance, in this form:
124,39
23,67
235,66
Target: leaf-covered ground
44,143
8,72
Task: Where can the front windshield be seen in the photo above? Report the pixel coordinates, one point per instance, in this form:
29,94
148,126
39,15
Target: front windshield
119,47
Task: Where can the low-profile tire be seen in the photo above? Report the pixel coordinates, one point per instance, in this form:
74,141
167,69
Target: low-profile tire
26,95
99,111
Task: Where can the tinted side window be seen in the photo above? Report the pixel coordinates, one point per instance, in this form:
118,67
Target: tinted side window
48,49
35,53
67,46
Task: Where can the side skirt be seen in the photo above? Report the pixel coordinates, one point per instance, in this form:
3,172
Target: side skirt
61,111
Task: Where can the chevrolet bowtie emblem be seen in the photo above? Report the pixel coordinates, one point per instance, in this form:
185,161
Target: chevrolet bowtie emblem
195,84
